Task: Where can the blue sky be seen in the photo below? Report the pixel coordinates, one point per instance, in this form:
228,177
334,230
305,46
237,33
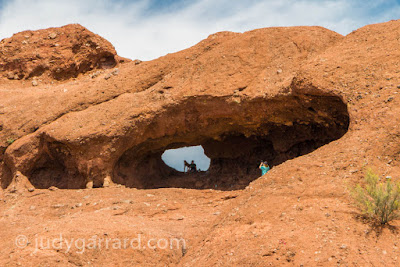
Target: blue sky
147,29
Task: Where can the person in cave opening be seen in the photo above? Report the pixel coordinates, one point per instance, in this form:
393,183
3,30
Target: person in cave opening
192,167
264,167
186,166
189,167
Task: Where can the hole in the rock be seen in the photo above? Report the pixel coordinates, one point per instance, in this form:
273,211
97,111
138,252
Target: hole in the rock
6,176
175,158
108,62
51,170
235,138
311,109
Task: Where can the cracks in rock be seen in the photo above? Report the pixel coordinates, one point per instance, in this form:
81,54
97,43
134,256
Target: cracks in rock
235,137
83,106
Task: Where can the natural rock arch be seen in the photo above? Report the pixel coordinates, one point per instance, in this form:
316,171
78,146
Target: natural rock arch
235,136
241,96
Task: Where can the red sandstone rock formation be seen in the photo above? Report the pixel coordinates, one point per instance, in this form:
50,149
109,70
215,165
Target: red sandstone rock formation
327,102
59,53
231,88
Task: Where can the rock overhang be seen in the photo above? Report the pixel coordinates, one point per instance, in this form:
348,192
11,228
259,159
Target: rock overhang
251,74
276,128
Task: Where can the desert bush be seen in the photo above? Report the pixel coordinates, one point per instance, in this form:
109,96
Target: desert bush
10,141
380,201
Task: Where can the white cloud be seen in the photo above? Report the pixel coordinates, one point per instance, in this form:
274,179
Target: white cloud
137,30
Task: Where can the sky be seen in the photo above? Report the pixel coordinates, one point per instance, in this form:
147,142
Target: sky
148,29
175,157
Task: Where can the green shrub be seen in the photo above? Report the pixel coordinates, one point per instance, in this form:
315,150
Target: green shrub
10,141
380,201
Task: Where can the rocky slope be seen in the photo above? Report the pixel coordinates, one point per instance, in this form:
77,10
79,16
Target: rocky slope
319,106
253,88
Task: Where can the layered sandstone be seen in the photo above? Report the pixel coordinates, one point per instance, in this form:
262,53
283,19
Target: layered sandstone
317,105
230,88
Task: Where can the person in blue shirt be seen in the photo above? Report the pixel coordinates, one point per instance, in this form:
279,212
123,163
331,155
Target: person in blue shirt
264,167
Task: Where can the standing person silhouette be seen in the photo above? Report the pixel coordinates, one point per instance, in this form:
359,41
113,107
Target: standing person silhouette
186,166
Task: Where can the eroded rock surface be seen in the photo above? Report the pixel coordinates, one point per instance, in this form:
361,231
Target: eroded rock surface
317,105
230,86
59,53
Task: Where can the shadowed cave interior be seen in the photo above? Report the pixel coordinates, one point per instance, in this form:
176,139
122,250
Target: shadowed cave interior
234,160
236,150
235,136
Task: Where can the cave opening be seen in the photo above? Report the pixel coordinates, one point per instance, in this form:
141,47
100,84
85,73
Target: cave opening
235,140
175,158
234,135
53,168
